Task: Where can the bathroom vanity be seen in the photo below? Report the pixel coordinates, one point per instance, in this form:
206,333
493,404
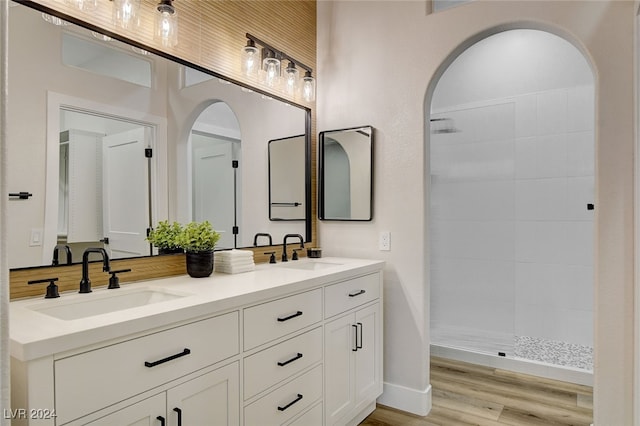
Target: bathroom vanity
296,343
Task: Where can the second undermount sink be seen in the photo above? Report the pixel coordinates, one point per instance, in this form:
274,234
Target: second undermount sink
88,305
308,265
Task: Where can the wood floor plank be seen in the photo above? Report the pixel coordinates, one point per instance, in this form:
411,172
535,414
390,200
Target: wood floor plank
460,402
465,394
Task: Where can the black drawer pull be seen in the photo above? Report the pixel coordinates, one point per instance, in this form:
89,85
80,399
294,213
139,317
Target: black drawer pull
179,411
161,420
282,364
298,398
297,314
360,345
357,293
355,346
169,358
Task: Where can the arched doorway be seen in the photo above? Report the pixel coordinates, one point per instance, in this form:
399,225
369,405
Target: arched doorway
511,219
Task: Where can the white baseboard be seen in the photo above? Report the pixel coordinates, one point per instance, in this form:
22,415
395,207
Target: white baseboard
406,399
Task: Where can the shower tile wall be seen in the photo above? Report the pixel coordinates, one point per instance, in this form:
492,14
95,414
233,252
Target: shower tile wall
512,239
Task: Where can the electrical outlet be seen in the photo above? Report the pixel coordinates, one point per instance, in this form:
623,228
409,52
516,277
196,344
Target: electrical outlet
384,241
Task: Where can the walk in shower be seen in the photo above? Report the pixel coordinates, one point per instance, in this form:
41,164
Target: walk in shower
511,153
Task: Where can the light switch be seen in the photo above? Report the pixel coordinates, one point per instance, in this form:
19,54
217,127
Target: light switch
36,237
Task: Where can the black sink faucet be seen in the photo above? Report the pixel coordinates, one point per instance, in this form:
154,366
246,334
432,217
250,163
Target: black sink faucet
85,282
67,250
262,234
284,243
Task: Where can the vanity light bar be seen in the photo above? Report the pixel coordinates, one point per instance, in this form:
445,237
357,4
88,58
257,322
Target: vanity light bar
271,59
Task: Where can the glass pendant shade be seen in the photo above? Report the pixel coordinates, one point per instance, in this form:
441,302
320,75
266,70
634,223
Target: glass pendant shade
308,87
125,13
84,5
291,77
167,24
54,20
250,59
271,67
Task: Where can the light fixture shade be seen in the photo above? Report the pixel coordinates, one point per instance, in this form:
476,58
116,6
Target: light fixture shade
250,59
271,68
84,5
166,24
308,87
54,20
291,79
100,37
125,13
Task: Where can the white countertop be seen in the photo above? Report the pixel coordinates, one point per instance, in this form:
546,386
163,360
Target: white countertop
35,334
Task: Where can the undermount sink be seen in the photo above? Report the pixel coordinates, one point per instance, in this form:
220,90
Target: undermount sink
309,265
84,306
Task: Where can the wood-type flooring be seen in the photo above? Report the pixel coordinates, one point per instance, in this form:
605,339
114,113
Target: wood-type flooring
467,394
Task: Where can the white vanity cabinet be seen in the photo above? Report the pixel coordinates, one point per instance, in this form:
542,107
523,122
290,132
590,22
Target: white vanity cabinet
353,349
303,349
210,399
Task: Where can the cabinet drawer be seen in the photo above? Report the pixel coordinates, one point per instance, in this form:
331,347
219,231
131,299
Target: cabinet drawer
312,417
92,380
272,365
287,401
348,294
266,322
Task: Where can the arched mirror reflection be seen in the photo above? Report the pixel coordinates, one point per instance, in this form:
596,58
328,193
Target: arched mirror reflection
215,158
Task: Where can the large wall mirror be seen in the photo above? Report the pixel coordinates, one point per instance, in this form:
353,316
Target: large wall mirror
110,139
346,174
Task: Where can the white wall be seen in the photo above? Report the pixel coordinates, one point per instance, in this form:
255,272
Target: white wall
378,63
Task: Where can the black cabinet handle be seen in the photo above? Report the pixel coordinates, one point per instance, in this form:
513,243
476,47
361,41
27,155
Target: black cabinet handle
298,398
355,347
359,346
169,358
357,293
162,421
283,319
22,195
282,364
179,411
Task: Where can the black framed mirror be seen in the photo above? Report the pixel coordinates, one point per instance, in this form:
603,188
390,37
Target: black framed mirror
346,174
167,104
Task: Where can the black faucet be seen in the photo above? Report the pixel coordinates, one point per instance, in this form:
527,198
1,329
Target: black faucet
284,243
67,250
85,282
261,234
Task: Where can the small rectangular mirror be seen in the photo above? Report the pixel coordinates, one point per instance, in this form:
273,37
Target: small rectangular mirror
346,174
287,192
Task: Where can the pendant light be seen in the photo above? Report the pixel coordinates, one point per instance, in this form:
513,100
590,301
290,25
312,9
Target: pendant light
291,77
250,59
125,13
166,24
271,68
308,87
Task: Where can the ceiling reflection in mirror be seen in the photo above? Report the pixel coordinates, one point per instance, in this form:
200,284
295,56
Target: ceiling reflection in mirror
110,142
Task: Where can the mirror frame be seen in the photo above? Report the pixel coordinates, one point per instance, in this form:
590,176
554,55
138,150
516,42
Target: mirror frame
321,182
309,219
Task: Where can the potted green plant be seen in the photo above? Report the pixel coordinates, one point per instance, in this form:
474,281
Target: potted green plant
165,237
198,239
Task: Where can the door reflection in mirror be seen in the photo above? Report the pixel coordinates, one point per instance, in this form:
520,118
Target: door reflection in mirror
215,184
103,198
346,174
